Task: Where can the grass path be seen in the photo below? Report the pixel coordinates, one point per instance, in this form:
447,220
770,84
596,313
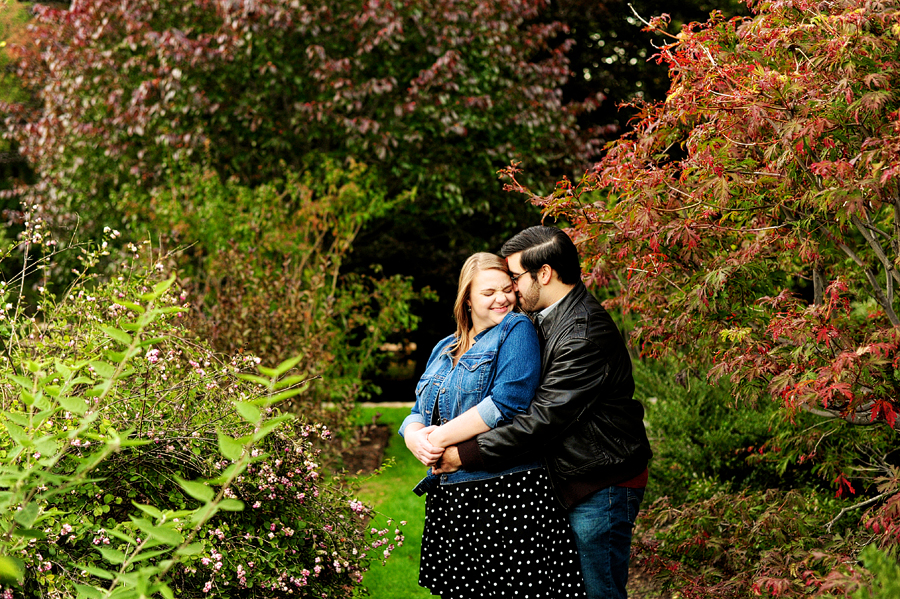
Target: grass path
391,494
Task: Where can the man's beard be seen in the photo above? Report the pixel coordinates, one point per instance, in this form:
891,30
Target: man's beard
529,300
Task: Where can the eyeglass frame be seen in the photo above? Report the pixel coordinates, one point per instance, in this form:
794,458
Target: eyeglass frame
515,278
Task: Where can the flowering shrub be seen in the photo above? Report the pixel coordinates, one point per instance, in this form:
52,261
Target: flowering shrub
135,462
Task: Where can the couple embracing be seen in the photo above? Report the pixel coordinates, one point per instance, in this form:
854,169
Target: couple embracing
537,448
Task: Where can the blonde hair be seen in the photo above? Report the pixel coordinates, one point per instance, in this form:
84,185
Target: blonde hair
473,265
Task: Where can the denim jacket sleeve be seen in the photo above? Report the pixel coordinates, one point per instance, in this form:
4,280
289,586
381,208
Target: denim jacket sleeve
417,413
518,372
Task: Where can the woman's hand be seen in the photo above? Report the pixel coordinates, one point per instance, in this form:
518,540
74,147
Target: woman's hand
416,437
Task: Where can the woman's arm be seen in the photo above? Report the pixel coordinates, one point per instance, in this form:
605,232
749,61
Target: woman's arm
417,440
465,426
518,373
414,428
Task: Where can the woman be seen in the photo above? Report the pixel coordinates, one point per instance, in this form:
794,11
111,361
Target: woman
487,534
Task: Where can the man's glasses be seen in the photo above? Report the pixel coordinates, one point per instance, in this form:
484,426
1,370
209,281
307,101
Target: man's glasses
515,278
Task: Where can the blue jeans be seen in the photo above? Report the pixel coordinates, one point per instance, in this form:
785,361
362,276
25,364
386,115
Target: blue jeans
602,524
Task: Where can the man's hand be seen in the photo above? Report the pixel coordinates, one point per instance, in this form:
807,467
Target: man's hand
417,443
449,462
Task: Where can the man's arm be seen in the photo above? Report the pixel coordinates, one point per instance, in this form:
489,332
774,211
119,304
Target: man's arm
570,386
518,371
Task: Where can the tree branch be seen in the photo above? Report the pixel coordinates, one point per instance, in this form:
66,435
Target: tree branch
858,417
873,281
818,286
876,247
861,504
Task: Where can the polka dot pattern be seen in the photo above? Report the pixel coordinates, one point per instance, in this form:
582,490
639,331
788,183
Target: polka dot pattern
502,538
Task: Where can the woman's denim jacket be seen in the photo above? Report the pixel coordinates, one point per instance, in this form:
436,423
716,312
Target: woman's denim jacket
499,374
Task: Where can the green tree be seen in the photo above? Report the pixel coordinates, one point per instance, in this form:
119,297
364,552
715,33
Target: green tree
435,96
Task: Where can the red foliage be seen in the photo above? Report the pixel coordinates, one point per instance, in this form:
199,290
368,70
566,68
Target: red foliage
752,217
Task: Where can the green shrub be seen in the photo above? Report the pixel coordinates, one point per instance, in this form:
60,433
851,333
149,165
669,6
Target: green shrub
134,462
886,575
263,272
699,435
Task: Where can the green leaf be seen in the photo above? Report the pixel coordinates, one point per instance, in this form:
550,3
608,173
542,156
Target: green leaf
27,515
113,556
231,505
167,535
12,570
147,318
115,356
254,379
104,369
76,405
192,549
226,474
80,380
133,307
197,490
63,369
287,365
127,590
117,334
100,389
98,572
29,533
17,417
271,425
205,513
46,446
269,372
286,394
152,341
24,382
163,286
164,590
121,536
290,381
88,592
18,434
230,448
248,411
148,509
134,443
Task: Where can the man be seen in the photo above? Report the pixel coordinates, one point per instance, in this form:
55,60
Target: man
583,419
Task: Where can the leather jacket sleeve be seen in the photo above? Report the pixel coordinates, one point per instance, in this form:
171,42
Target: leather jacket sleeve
571,387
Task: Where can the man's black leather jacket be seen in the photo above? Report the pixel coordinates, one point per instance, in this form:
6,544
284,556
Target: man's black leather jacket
583,420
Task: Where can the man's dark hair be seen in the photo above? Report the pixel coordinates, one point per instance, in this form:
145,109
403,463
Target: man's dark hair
546,245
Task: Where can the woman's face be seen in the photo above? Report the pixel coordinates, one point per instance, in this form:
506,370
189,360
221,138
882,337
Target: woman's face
491,298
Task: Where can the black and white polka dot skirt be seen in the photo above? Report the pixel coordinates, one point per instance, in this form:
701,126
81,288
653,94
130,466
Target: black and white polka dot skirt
503,538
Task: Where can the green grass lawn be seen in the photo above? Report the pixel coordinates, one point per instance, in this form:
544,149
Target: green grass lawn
391,495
